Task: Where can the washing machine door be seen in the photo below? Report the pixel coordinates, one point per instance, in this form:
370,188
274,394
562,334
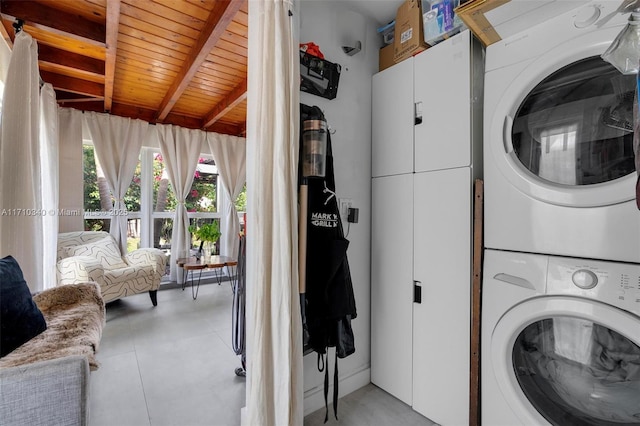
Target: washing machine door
569,361
563,130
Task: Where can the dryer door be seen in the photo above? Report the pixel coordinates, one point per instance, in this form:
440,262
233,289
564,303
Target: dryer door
563,130
564,360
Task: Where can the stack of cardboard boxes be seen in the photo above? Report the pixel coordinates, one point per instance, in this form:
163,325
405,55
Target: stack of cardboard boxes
408,35
420,24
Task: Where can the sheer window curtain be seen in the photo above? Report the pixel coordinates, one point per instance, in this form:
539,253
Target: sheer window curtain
24,166
274,327
180,150
117,142
229,153
49,181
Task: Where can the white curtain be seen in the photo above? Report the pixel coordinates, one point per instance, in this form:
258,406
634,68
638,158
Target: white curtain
71,178
49,181
21,225
229,153
180,150
117,142
274,328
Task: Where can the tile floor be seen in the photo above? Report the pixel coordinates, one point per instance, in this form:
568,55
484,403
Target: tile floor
174,365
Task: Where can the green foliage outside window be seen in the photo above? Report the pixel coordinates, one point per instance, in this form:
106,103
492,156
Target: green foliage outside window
202,196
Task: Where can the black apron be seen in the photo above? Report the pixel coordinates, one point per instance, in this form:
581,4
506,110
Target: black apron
329,303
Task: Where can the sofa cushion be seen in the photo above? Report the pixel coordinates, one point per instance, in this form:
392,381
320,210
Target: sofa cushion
105,250
20,318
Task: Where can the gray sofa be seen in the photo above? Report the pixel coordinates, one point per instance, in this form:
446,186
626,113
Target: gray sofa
46,379
53,392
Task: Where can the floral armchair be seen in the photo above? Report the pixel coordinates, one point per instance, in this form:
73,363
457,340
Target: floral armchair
94,256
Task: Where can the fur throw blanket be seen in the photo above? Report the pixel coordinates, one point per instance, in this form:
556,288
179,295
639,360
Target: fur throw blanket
75,316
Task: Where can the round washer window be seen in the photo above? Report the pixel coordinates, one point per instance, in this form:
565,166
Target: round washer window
577,372
576,126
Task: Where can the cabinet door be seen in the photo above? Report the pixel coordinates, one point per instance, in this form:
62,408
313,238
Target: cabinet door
392,120
443,86
392,285
441,323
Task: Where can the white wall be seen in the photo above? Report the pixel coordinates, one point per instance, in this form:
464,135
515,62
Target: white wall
329,24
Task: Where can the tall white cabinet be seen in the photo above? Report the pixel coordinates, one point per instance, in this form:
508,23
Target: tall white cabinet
426,153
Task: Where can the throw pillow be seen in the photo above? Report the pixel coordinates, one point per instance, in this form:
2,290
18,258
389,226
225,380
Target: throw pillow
104,250
20,318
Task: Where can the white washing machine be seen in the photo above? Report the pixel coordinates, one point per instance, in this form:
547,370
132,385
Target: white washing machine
558,140
560,341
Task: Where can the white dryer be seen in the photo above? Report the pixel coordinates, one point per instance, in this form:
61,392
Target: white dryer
560,341
558,140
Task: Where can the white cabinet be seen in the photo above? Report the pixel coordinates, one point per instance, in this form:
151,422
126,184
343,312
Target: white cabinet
392,283
442,270
443,91
422,227
392,115
423,110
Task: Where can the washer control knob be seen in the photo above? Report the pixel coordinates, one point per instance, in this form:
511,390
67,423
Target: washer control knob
585,279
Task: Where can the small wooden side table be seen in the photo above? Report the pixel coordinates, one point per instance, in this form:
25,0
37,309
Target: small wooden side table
190,264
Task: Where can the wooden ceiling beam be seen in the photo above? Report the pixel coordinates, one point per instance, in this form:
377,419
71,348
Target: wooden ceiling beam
73,85
215,26
66,59
237,95
226,129
50,19
113,23
62,96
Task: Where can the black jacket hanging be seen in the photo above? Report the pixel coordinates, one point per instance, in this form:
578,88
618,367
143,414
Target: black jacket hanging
330,303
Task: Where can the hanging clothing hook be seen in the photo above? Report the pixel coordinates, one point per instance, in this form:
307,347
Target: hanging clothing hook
17,25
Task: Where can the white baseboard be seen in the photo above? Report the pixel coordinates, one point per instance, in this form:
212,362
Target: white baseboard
314,397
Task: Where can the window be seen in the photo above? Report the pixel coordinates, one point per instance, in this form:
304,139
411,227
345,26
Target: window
558,157
151,200
201,201
98,200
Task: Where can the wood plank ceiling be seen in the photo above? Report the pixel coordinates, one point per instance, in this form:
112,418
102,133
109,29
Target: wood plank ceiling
181,62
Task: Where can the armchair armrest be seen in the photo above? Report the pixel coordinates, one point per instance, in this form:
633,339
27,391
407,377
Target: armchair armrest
62,382
148,256
79,269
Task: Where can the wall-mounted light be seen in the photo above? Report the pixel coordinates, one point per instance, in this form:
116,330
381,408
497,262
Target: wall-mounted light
624,52
352,50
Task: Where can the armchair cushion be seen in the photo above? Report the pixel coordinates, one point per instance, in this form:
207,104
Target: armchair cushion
104,250
20,318
79,269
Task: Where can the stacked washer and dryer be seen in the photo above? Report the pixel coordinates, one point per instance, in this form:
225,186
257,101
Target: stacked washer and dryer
561,282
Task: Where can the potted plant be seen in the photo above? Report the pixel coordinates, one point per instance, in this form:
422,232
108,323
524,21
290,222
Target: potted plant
207,234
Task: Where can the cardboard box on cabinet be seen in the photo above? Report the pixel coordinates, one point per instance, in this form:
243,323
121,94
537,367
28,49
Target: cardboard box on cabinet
386,57
408,39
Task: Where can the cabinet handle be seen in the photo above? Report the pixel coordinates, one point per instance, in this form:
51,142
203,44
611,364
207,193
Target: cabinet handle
417,292
417,117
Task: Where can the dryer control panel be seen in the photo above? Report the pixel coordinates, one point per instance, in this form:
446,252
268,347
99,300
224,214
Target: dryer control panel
617,284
